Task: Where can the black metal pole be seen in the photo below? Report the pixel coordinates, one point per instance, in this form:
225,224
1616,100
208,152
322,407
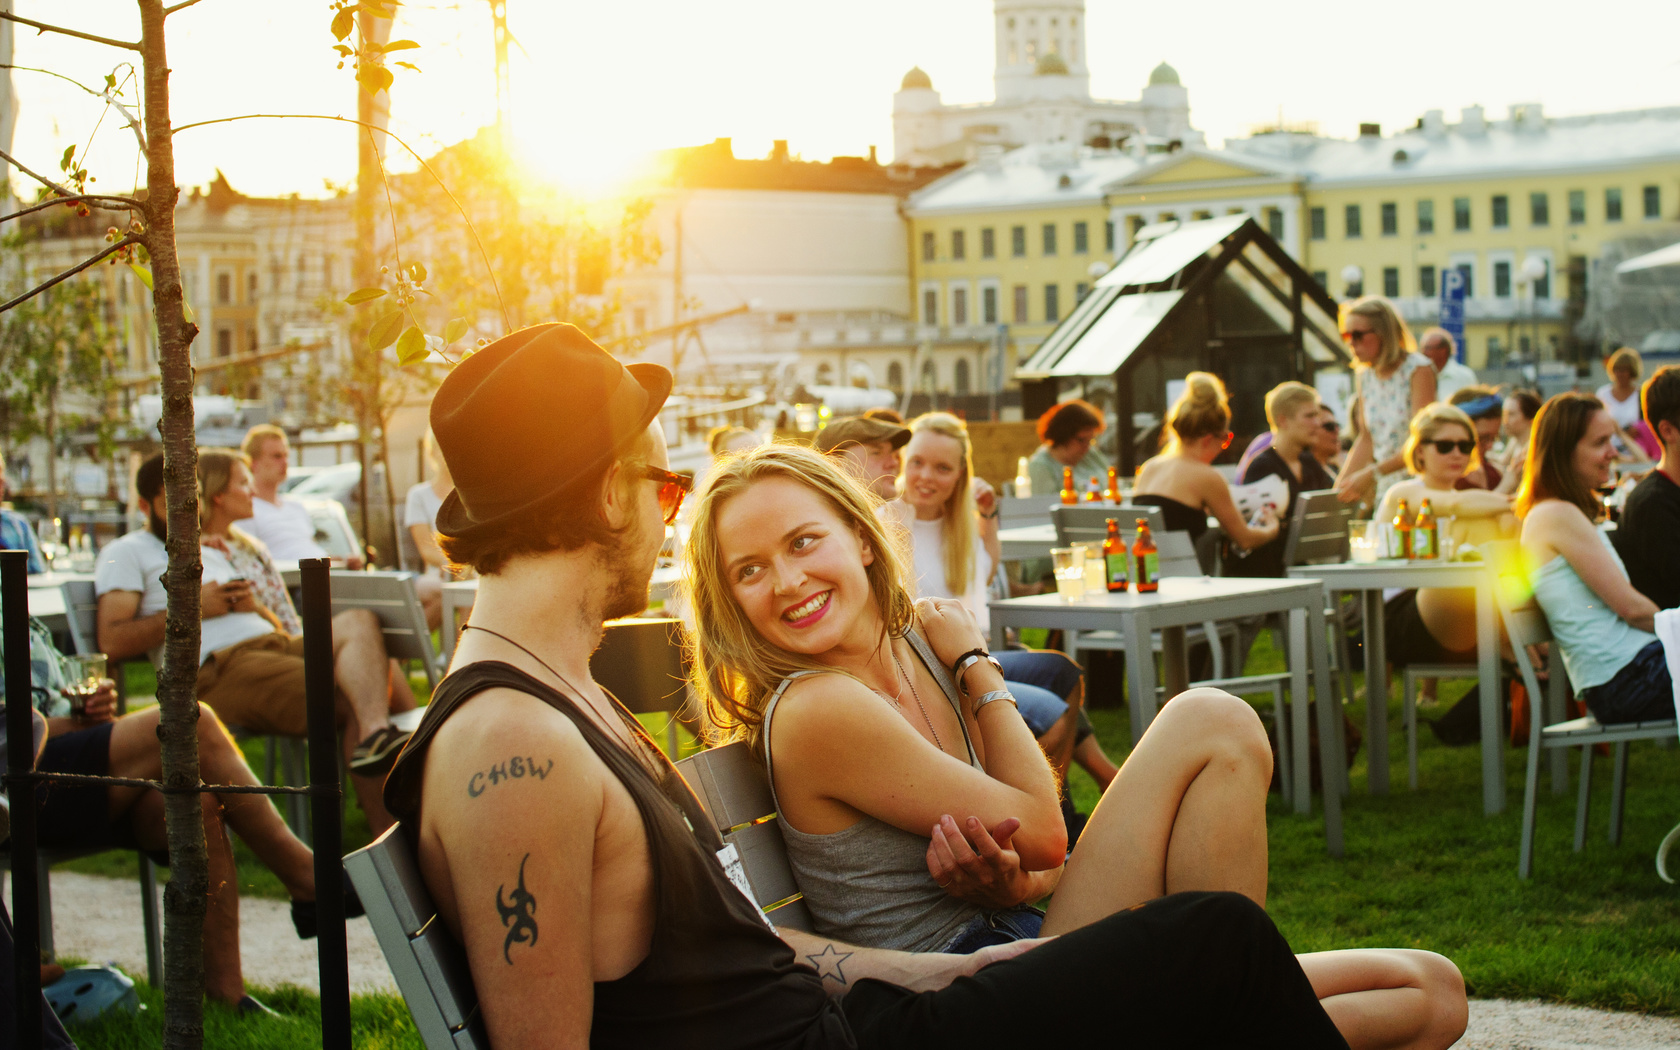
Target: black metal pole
20,759
332,951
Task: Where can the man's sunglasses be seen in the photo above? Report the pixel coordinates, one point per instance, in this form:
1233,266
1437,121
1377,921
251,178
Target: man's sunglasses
672,489
1444,447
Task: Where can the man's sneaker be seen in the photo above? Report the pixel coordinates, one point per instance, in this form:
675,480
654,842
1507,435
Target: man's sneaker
373,756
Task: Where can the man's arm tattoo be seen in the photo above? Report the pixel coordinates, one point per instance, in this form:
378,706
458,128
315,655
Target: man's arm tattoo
513,769
518,914
828,962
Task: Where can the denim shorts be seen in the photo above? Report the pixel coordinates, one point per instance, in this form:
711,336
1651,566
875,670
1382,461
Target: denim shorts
1640,692
1019,923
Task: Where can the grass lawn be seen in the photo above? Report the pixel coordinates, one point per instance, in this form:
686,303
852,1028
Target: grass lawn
1423,869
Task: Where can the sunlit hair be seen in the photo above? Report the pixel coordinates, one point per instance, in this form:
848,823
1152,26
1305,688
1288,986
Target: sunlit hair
720,437
1286,400
1549,472
1659,399
215,473
1391,331
1204,408
957,516
1062,423
732,667
1626,358
254,438
1427,424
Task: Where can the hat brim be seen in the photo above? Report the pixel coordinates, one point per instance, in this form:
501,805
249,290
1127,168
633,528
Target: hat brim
452,517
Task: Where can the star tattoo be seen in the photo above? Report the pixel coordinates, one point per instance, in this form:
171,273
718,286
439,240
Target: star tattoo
828,963
518,914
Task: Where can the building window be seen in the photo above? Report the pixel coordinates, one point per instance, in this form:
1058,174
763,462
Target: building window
1020,304
224,342
1137,223
930,377
1274,223
1461,213
959,244
1049,238
1467,271
930,306
1543,284
1018,241
1108,236
895,376
224,288
250,287
988,305
1426,216
988,243
1355,228
1577,207
1321,279
1390,219
1613,204
1080,291
1426,280
1502,278
930,246
1391,281
1501,211
1539,209
1081,238
1653,202
959,379
959,306
251,338
1052,303
1315,224
1200,214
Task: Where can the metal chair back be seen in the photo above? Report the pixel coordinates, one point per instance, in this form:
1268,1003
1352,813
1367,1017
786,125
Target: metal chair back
1088,522
1015,511
391,597
1318,529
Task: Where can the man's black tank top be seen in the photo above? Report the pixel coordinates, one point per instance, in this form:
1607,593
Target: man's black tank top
715,975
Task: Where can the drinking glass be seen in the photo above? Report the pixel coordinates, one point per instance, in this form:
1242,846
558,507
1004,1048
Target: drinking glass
86,671
1443,532
1362,541
1069,564
1096,581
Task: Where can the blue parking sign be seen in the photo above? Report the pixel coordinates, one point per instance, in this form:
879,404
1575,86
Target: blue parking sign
1452,306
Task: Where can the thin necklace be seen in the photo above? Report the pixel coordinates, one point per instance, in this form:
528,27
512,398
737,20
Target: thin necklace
527,652
918,697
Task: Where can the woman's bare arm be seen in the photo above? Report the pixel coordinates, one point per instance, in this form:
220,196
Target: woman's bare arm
1556,527
1216,497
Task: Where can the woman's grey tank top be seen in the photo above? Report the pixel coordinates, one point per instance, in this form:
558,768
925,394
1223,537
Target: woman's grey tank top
869,884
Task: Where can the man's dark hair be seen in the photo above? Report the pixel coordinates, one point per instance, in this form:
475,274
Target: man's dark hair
1527,400
148,480
566,521
1659,399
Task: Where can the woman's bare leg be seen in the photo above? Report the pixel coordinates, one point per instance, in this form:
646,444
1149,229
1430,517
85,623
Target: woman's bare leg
1382,998
1186,812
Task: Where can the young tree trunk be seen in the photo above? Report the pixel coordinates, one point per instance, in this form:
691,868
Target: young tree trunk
184,901
52,458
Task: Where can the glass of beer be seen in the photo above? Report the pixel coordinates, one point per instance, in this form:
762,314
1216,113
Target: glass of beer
87,671
1069,563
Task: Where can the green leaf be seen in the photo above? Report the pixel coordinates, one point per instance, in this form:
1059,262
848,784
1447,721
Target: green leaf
417,272
384,331
142,272
455,329
411,347
64,161
374,78
363,295
343,22
344,50
400,45
409,65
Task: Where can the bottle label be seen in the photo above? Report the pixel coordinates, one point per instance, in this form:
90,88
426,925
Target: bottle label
1116,571
1423,543
1148,564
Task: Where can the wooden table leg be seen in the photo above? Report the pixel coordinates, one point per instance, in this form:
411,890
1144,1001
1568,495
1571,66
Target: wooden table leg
1376,694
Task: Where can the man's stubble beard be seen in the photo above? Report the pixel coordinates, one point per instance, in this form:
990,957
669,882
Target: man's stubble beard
628,575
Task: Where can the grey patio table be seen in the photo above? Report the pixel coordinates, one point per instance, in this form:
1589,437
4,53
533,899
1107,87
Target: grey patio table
1186,600
1369,579
1027,541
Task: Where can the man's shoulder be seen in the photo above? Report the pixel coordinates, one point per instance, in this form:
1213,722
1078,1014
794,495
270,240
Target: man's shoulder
1654,492
140,546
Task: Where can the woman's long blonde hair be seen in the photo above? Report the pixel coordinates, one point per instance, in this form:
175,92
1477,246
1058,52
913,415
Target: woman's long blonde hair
215,473
1396,338
956,521
732,667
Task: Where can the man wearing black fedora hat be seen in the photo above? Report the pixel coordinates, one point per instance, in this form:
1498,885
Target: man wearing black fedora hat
594,899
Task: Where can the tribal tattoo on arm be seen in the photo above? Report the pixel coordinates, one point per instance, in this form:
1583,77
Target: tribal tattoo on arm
518,914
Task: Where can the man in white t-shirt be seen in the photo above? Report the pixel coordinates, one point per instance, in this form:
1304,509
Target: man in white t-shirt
1451,374
281,522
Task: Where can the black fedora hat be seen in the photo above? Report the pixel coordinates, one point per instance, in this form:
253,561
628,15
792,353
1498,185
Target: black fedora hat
531,415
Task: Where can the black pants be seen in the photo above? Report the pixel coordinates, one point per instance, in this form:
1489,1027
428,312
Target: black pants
1189,970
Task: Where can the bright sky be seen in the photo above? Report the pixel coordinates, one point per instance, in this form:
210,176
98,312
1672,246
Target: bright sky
599,84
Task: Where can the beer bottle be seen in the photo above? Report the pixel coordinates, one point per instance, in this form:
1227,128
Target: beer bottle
1093,492
1148,559
1112,493
1068,493
1403,530
1426,539
1114,558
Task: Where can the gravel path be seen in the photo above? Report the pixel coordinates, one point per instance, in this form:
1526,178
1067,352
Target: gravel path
99,919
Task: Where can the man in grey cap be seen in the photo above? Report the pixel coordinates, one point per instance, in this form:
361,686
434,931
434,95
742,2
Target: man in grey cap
871,445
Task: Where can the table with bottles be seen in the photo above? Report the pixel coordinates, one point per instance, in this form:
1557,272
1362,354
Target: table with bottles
1181,601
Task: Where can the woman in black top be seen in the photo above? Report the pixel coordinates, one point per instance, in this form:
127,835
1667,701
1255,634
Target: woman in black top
1296,417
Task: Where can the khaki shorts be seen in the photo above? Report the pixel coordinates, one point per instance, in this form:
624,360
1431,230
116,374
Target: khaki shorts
257,685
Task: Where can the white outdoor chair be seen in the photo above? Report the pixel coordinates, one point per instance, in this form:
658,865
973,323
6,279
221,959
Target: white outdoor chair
391,597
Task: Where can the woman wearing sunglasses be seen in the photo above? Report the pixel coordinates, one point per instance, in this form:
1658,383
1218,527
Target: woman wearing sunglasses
1181,480
1437,625
1395,382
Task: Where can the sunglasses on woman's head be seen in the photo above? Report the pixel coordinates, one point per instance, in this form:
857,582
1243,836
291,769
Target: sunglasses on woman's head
672,489
1444,447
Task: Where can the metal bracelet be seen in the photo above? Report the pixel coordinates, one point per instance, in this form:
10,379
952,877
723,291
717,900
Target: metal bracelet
969,659
995,694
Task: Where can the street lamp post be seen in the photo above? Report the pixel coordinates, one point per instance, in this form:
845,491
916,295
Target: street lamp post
1534,271
1353,280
